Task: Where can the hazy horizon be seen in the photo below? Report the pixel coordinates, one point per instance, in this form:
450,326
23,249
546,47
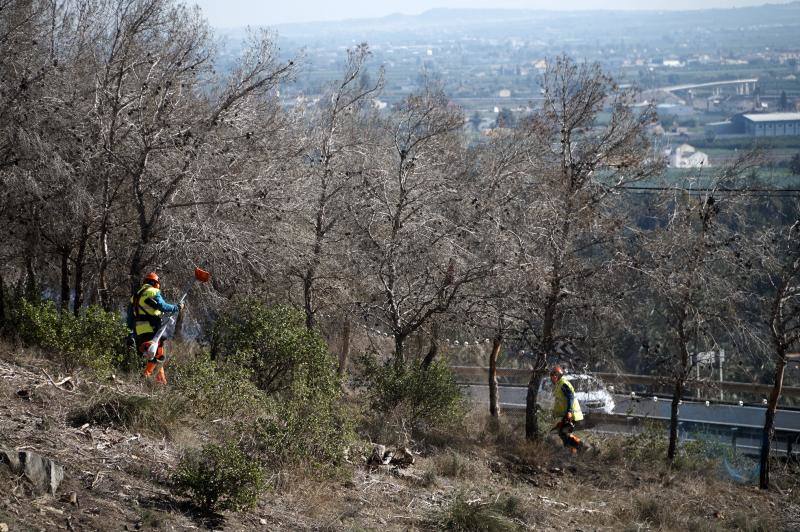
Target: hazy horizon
234,13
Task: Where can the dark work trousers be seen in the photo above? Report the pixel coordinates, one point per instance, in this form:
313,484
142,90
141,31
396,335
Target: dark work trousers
567,438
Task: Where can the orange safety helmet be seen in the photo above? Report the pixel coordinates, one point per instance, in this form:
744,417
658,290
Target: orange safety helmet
556,372
152,279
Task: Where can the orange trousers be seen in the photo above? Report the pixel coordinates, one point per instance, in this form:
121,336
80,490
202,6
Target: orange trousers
159,361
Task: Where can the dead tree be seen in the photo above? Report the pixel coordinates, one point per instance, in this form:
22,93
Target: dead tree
688,284
559,215
408,221
777,251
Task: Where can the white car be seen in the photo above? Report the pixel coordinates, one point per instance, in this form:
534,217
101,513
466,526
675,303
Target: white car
592,394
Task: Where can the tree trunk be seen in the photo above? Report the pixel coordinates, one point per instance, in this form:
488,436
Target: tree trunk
673,419
540,365
531,399
31,288
80,261
434,348
344,353
308,299
2,302
178,334
494,406
136,268
769,422
399,357
531,420
102,280
64,280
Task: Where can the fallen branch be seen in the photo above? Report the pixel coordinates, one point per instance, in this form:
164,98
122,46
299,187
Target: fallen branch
59,384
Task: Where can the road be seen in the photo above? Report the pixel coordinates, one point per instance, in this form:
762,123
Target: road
709,84
751,417
710,423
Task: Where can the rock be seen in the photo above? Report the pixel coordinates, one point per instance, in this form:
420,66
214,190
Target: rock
403,457
376,458
262,521
380,456
3,527
44,474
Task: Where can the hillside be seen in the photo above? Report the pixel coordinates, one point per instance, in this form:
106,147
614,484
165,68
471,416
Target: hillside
638,25
119,479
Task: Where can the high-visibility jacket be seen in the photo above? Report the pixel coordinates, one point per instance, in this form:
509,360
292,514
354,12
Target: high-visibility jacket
564,400
147,307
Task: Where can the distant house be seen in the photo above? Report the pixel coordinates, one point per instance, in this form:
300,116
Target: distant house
686,156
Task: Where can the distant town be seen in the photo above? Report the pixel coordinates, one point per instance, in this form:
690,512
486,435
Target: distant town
721,80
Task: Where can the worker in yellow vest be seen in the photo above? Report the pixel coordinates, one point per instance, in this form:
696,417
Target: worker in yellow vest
145,312
566,409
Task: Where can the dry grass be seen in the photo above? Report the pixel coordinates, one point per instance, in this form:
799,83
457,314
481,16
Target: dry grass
452,464
478,474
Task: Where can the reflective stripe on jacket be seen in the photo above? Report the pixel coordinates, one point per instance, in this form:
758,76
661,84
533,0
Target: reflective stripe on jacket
146,311
562,389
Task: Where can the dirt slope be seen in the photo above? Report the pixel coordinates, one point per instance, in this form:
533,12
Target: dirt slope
115,480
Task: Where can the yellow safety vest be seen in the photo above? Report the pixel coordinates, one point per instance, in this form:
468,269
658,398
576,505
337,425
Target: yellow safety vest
560,401
147,318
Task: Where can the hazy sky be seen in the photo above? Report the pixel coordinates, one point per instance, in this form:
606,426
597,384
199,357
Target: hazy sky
225,13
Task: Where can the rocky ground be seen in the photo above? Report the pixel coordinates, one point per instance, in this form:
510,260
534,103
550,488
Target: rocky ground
478,478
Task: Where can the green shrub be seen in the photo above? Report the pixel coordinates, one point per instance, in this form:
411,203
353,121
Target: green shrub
308,420
274,343
213,390
649,445
297,374
303,430
94,339
464,515
219,478
416,397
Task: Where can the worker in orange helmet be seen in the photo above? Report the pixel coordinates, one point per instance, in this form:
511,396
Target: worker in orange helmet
566,409
145,313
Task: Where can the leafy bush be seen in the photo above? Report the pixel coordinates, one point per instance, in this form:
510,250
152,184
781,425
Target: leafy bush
414,396
219,478
297,374
304,429
213,390
274,343
463,515
94,339
649,445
